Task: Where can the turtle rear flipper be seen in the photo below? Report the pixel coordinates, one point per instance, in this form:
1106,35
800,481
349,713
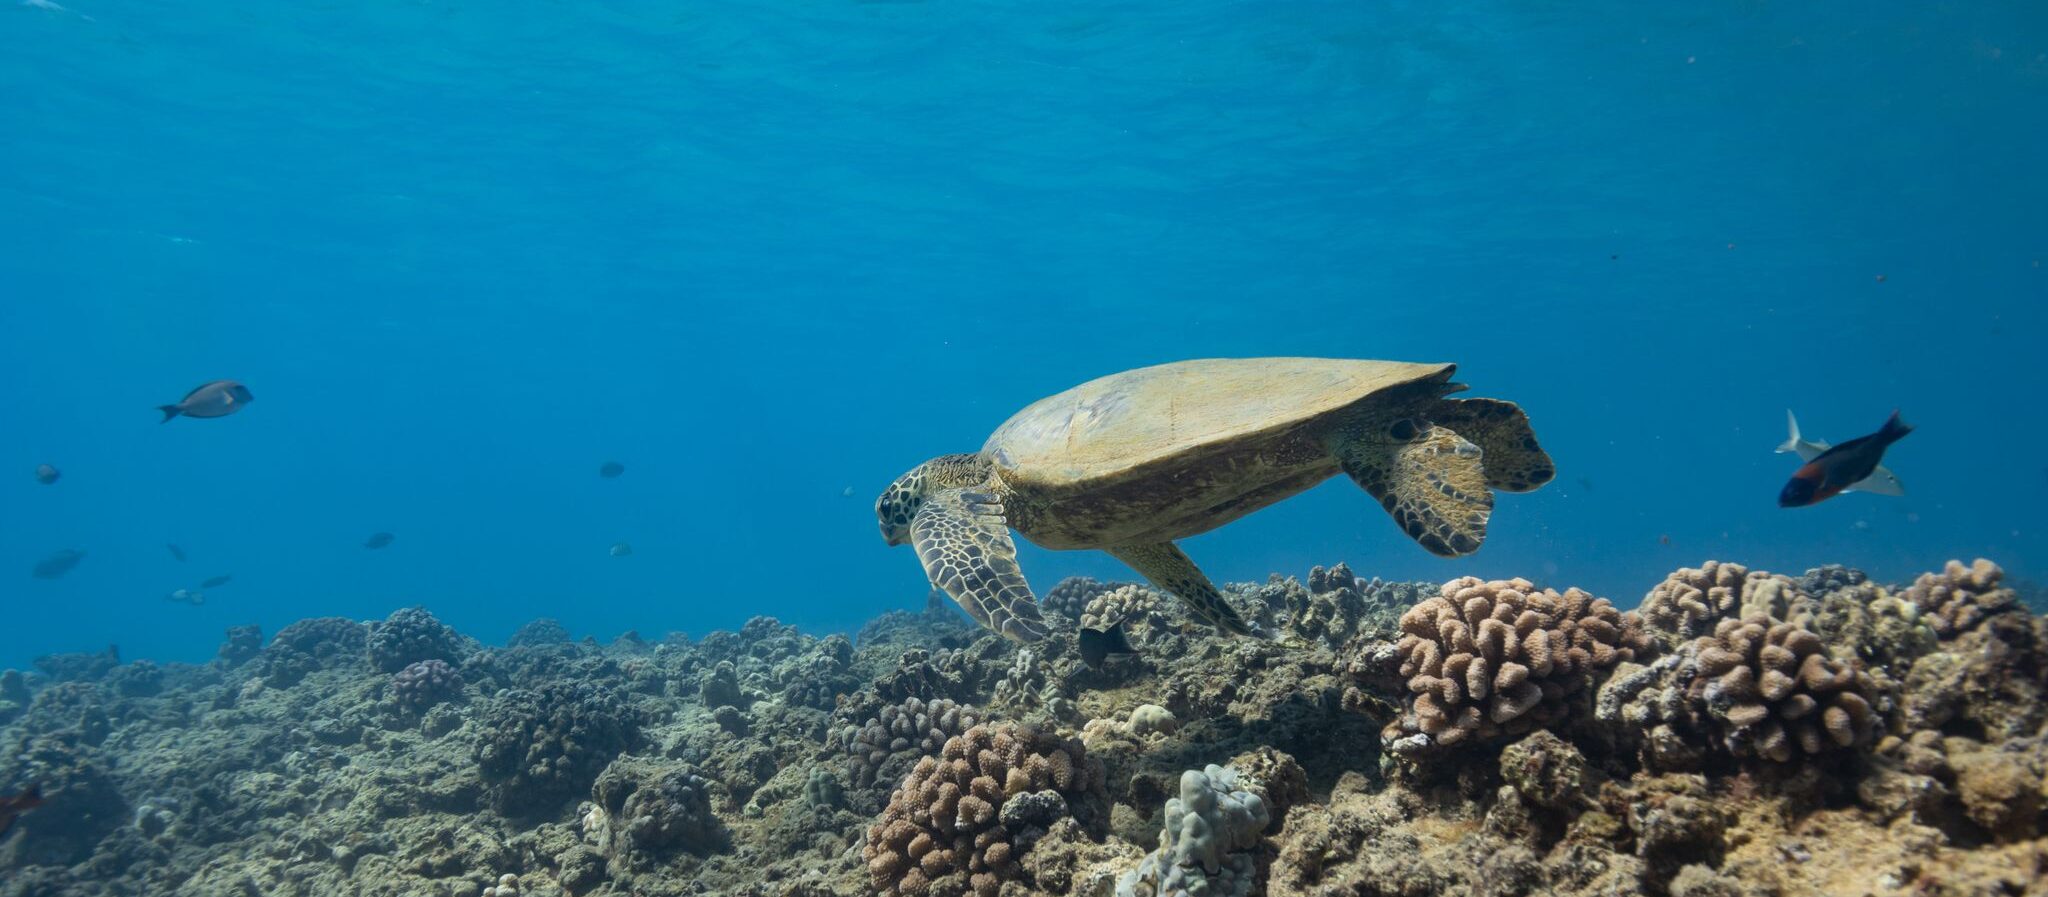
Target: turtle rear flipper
1429,478
964,543
1515,462
1169,568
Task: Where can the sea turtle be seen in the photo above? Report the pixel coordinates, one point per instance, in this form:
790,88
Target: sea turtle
1130,462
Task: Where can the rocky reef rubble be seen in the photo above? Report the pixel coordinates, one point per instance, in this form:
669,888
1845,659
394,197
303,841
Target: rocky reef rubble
1739,733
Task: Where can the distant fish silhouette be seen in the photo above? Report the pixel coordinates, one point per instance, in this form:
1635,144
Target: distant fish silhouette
13,806
58,564
193,597
1098,645
175,551
217,399
1851,466
621,550
46,475
214,582
611,470
378,540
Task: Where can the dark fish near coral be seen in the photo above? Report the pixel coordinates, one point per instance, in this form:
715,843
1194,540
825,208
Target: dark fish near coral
175,551
378,540
217,399
58,564
45,474
621,550
214,582
12,807
1098,645
1853,465
611,469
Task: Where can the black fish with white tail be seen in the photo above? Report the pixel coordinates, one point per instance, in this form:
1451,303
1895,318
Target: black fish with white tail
610,470
214,582
1098,645
217,399
175,551
12,806
1831,470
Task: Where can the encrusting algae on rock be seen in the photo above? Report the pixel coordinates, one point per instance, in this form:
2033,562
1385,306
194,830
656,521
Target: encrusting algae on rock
1742,733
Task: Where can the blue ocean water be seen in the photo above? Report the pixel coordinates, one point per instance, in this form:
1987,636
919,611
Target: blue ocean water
770,255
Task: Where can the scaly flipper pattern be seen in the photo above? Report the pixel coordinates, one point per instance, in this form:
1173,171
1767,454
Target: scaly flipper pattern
964,543
1515,462
1430,479
1169,568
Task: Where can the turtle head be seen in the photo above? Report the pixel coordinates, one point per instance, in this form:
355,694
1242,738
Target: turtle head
900,502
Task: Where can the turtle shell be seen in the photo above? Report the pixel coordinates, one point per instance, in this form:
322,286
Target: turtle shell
1108,427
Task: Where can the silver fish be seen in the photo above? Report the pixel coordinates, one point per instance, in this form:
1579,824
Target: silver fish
621,550
217,399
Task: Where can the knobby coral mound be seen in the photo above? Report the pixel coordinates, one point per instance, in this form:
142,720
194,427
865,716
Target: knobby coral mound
538,747
1958,598
913,727
951,829
1690,601
1205,848
1772,690
544,631
425,683
241,645
820,675
1502,657
408,636
309,645
322,637
1124,604
1070,596
647,809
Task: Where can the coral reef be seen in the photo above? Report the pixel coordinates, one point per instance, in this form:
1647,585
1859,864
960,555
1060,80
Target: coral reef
1746,734
1502,657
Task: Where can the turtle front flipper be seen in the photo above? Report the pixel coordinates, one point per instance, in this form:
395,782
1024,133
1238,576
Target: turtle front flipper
964,543
1515,462
1169,568
1428,477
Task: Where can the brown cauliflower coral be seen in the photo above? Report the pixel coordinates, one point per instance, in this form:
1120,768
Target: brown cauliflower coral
949,830
1774,692
1490,658
1955,600
1692,599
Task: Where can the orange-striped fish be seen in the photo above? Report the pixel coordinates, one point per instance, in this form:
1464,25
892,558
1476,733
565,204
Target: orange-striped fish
1831,470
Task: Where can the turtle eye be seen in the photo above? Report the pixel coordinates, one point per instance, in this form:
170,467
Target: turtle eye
1404,430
